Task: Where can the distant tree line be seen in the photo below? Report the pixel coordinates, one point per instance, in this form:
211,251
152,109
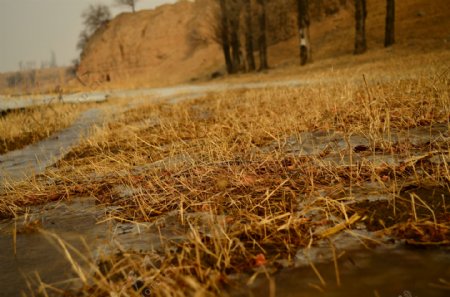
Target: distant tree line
236,21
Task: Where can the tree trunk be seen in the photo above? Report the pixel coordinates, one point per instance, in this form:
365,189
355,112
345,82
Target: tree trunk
224,37
262,40
389,35
249,36
360,32
235,43
303,30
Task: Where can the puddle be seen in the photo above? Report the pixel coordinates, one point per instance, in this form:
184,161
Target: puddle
336,145
36,252
385,270
85,226
380,272
430,203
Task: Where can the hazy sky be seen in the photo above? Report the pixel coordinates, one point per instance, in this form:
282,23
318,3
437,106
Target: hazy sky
31,29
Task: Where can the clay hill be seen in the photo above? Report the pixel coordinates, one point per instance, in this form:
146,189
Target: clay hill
175,43
152,47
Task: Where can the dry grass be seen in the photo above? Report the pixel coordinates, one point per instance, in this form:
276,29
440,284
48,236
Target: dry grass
226,156
22,127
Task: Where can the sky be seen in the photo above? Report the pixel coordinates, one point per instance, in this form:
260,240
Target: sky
30,30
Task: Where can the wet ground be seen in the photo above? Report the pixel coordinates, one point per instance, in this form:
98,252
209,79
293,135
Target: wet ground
34,158
381,272
8,104
367,263
29,244
35,243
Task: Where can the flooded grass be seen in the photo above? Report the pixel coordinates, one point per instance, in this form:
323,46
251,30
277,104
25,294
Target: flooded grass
239,185
20,128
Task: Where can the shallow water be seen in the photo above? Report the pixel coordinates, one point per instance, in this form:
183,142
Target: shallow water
383,272
389,269
85,226
34,158
314,143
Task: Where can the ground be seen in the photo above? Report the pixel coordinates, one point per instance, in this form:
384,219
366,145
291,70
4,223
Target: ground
252,182
328,179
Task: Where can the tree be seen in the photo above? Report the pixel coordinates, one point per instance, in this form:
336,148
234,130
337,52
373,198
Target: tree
262,39
303,30
249,36
360,26
389,35
234,10
130,3
95,17
224,35
83,40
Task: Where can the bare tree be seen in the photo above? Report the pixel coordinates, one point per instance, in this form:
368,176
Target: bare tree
249,36
82,40
95,17
303,30
389,36
262,39
235,24
234,10
130,3
360,26
224,35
